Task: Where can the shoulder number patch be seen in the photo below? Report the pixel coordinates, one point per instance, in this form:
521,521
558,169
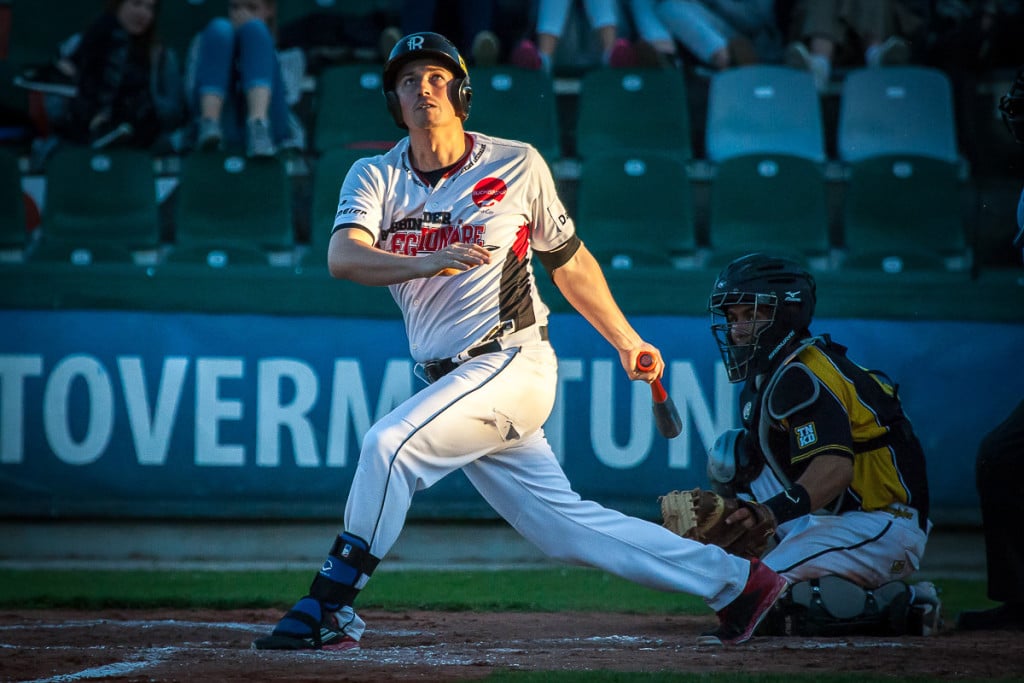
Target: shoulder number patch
806,435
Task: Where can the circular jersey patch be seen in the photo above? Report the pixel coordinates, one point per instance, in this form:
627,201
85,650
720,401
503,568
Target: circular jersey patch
489,191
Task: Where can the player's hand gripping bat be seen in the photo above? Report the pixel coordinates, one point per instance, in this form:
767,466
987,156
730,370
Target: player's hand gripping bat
666,417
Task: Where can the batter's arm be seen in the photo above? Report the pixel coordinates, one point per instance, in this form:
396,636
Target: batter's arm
582,283
351,255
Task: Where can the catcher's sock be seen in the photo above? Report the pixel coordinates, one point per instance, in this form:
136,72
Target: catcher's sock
739,618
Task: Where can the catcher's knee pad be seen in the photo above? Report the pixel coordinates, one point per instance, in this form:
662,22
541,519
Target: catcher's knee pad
339,579
834,606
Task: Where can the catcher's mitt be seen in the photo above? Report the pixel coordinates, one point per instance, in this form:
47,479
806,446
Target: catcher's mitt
700,515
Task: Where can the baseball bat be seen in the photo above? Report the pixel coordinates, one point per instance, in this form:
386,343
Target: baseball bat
666,417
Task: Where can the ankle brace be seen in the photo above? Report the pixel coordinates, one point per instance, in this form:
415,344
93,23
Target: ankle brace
348,561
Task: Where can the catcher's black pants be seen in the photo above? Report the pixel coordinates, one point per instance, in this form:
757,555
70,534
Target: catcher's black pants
1000,471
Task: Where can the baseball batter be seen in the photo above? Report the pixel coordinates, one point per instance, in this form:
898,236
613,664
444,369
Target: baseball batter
455,224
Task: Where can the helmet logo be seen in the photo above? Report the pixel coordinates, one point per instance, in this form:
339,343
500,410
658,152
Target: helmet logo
415,42
792,297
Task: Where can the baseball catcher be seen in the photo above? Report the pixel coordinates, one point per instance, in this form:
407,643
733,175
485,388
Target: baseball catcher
825,477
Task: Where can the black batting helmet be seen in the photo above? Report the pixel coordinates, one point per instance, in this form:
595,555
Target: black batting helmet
425,45
1011,106
782,293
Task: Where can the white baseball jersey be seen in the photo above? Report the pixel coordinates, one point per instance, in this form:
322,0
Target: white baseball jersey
502,197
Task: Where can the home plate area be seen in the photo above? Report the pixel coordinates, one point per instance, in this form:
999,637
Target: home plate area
177,645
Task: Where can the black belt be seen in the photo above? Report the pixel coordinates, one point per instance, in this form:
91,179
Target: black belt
436,369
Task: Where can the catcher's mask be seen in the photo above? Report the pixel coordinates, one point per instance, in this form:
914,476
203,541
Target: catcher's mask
782,296
427,45
1011,106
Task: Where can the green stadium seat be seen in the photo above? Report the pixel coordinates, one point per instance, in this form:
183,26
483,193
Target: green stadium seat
633,109
217,256
101,196
764,109
350,110
771,203
226,200
519,104
83,253
896,110
636,209
905,207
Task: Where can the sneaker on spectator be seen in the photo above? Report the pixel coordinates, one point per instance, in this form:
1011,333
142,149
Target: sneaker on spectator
55,78
485,49
893,51
738,620
798,56
622,55
260,143
210,135
526,56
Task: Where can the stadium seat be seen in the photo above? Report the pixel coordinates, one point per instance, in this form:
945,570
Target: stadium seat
633,109
101,196
225,200
896,110
909,208
330,172
38,27
636,209
12,206
350,110
181,20
764,109
519,104
219,256
80,253
768,202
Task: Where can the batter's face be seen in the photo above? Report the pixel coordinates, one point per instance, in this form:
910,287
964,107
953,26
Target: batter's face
422,88
745,322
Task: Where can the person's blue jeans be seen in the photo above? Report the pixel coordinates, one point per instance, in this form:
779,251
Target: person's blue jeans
230,62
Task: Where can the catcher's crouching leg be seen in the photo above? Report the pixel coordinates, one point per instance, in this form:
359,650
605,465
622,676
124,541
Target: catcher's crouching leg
833,606
324,619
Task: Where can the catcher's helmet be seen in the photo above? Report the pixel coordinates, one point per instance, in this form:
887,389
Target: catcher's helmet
427,45
781,290
1011,106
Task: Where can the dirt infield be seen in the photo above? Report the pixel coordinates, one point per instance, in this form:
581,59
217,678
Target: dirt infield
190,645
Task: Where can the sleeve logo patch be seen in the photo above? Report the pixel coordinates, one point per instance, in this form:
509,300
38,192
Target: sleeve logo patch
806,435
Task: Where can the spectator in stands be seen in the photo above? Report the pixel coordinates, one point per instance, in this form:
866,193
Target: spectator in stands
113,84
240,87
1000,466
853,32
472,25
718,33
553,17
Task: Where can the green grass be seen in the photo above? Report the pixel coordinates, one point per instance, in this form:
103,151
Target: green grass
552,590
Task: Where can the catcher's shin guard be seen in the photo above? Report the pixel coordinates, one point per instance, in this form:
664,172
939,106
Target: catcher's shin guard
834,606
